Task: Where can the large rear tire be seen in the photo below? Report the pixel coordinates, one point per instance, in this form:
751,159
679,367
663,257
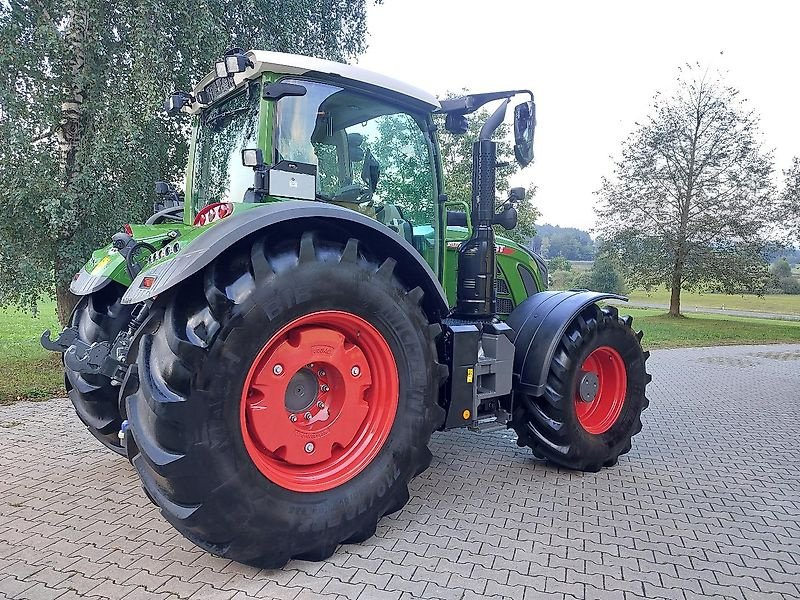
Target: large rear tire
252,468
99,317
594,396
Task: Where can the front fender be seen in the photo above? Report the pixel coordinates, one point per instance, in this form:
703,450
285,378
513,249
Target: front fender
538,323
210,244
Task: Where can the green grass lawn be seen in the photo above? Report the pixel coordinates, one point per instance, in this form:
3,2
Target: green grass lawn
663,331
776,303
30,372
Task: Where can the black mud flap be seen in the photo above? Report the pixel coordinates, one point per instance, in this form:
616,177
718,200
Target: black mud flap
538,323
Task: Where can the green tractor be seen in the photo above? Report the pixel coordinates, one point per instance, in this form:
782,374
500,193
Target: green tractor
273,353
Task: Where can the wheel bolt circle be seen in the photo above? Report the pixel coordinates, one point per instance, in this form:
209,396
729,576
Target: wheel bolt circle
355,371
277,369
309,447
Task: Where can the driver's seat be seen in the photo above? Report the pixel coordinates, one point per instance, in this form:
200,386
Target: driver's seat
391,216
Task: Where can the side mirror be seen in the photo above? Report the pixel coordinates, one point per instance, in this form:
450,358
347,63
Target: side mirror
456,123
524,126
516,194
252,157
175,102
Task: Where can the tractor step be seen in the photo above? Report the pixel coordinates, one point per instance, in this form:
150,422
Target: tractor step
496,423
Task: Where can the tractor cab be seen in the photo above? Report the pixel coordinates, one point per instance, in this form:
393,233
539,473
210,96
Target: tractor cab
321,135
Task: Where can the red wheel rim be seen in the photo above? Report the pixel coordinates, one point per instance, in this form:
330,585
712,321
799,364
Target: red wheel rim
600,413
319,401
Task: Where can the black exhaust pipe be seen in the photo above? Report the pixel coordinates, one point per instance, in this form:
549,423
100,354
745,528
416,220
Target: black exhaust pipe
476,296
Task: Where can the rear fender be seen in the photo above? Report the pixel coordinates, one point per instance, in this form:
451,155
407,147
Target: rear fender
107,264
538,323
223,234
104,266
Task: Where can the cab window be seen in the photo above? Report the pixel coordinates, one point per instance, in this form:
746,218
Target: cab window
370,155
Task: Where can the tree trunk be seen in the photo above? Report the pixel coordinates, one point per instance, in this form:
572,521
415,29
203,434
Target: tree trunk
65,302
675,301
69,133
675,289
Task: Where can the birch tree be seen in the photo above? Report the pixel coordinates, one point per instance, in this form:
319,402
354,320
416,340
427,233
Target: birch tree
82,138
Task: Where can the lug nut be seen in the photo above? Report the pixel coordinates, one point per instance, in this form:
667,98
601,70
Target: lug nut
307,416
324,387
355,371
277,369
320,404
293,418
309,447
321,373
310,365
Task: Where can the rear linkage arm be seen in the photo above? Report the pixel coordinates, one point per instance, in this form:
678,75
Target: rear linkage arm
103,358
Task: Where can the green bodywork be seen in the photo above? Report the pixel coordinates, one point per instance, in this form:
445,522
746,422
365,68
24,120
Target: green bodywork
439,251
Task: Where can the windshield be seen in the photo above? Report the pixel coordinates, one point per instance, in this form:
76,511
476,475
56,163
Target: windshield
225,130
371,155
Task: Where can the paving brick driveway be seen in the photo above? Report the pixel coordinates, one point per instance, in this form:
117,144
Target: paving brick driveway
706,505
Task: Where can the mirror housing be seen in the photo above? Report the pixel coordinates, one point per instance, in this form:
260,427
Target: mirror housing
456,123
253,157
516,194
524,127
176,101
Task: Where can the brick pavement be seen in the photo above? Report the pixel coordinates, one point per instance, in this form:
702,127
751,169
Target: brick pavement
707,505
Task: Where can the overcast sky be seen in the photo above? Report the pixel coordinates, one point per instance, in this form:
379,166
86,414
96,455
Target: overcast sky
593,66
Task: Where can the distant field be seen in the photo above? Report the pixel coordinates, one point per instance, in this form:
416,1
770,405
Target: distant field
777,303
28,370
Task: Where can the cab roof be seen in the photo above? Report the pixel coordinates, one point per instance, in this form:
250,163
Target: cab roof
295,64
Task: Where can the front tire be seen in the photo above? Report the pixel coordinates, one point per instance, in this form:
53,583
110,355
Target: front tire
242,463
594,396
99,317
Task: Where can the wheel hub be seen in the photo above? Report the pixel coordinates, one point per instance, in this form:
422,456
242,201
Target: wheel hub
301,392
589,386
601,390
319,401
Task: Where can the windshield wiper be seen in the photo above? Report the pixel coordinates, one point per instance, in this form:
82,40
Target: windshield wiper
224,115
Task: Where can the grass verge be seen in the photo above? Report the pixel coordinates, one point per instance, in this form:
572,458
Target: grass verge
29,371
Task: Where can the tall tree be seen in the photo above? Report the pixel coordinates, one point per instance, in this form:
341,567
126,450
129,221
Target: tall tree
691,199
81,85
790,201
456,153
